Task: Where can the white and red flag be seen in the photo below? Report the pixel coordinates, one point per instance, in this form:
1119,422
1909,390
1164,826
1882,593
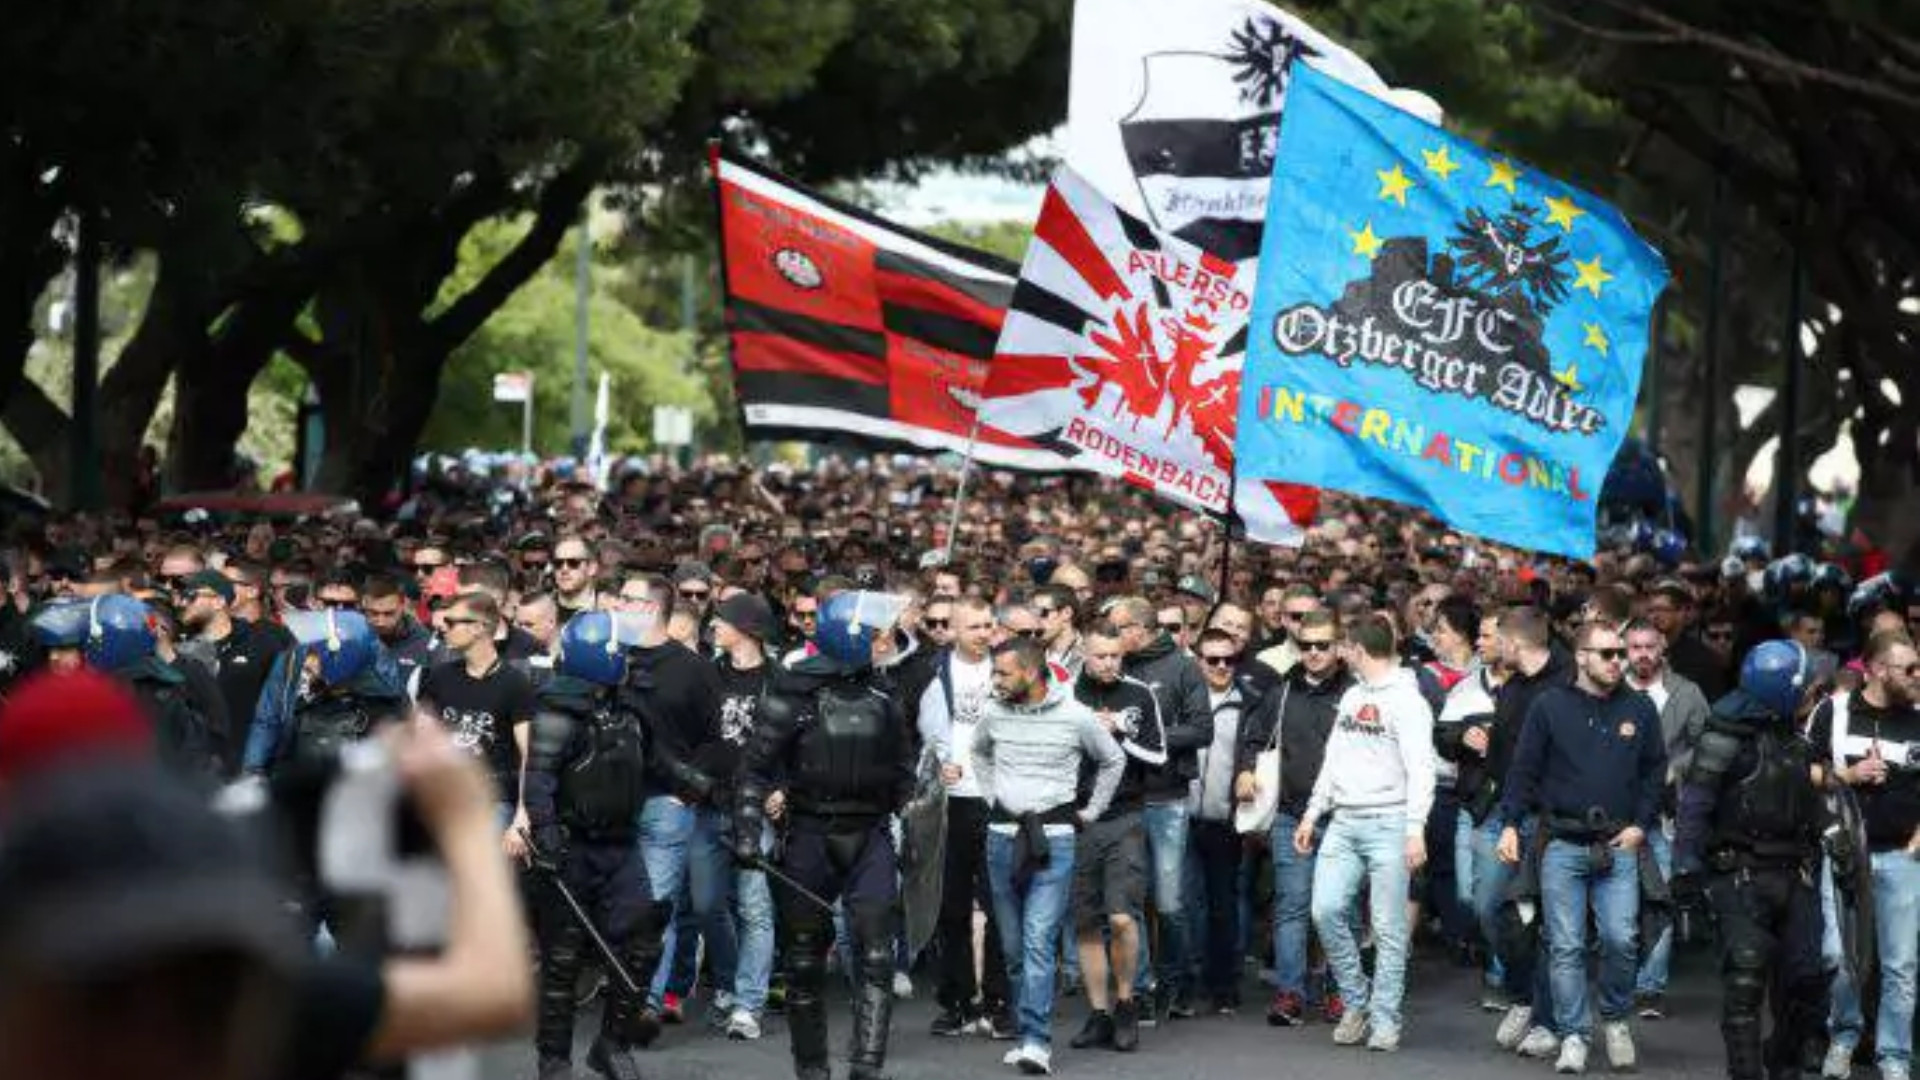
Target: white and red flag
1122,352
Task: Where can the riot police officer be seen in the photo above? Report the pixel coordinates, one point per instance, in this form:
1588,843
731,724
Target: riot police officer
111,633
1748,834
333,688
585,783
844,753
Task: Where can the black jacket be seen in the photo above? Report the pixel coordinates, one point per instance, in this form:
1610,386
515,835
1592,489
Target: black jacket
1142,735
677,696
1185,709
1510,706
1304,730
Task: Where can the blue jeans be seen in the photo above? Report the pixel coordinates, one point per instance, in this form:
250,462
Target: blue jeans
688,859
1365,851
1029,925
1570,885
753,929
1292,907
1166,827
1523,983
1658,960
1896,911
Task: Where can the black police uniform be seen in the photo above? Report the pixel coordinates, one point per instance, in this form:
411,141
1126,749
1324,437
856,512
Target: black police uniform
841,751
183,732
585,784
1748,832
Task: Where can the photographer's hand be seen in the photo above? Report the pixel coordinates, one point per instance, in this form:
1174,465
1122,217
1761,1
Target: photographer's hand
479,988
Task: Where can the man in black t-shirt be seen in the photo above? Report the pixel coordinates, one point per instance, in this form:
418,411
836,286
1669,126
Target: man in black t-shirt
238,653
485,702
1872,740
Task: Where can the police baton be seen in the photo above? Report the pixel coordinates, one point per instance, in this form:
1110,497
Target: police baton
607,953
761,864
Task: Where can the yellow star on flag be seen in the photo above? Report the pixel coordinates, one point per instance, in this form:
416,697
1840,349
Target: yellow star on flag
1365,242
1394,184
1439,164
1569,378
1504,175
1597,337
1592,276
1561,212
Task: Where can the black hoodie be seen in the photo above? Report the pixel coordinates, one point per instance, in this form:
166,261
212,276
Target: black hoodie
677,695
1185,709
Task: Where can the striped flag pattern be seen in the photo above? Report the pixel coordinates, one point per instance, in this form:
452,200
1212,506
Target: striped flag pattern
844,324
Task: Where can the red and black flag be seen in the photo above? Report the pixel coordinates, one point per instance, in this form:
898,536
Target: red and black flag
844,324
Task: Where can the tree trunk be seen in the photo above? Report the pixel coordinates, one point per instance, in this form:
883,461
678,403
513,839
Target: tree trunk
210,388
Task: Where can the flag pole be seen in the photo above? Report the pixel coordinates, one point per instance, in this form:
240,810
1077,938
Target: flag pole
1226,534
960,493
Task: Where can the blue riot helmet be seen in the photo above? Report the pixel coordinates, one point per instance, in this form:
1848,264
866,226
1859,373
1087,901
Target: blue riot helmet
119,632
63,624
1784,574
342,640
1750,549
593,648
1777,674
1881,592
1669,547
1832,576
850,621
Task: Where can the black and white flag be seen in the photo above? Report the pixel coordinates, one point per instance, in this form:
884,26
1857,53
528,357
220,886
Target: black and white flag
1174,109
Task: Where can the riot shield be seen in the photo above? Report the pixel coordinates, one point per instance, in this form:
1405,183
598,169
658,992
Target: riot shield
1851,867
923,854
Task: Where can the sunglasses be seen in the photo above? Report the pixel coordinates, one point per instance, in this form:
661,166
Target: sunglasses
935,624
695,594
453,621
1316,646
570,564
1219,661
1608,654
339,605
1173,627
427,567
807,616
1030,635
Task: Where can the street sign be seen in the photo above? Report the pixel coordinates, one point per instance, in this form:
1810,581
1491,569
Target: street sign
672,425
513,386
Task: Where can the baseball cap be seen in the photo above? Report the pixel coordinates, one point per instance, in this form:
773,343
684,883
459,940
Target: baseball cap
212,580
106,866
1195,586
748,614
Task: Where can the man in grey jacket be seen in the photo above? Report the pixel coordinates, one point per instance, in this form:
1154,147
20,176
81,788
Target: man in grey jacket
1174,677
1683,716
1027,755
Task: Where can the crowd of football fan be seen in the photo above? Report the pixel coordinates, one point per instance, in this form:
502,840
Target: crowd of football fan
1464,731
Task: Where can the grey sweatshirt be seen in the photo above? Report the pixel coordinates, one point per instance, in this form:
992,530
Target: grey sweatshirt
1381,752
1026,758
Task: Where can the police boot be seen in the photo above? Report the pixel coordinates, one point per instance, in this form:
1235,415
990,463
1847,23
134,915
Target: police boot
553,1037
626,1015
872,1021
613,1060
806,1009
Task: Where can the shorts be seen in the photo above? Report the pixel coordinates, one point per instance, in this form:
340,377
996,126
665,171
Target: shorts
1109,871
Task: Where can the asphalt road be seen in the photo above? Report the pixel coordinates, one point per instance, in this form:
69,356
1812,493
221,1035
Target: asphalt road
1447,1035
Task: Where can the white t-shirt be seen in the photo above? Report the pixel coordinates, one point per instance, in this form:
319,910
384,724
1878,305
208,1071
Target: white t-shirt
1657,691
972,689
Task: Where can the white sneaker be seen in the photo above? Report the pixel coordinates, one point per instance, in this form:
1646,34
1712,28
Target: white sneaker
1035,1061
1013,1056
1513,1026
1540,1043
1351,1029
1619,1041
1384,1039
1573,1056
742,1026
903,986
1838,1064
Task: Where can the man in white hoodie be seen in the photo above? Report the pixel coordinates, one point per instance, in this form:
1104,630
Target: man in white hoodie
1377,784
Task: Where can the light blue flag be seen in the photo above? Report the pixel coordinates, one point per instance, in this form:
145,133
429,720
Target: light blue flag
1440,326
